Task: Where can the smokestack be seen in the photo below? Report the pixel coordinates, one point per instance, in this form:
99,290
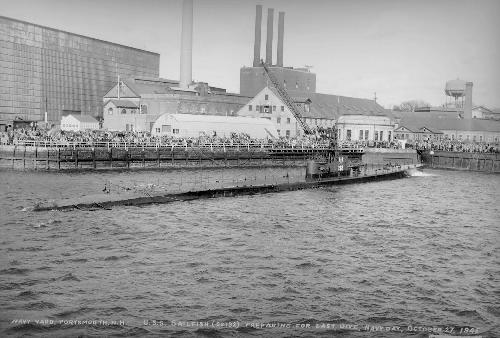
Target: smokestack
281,31
258,33
468,101
186,44
269,42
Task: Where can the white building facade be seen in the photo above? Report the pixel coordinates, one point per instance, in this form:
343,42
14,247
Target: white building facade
365,128
268,105
79,123
190,125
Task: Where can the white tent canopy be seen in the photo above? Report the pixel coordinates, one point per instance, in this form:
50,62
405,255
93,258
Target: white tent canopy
189,125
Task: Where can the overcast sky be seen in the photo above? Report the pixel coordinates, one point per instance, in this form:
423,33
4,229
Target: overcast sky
400,49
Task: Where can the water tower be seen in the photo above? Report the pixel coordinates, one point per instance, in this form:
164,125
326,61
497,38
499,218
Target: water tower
455,89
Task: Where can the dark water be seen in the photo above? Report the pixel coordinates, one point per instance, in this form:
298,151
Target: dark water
421,252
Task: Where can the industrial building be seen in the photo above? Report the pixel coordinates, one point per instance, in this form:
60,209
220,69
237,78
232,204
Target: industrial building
318,110
136,103
467,130
43,69
297,81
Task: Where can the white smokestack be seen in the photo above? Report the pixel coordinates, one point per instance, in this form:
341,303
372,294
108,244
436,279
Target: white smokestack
186,44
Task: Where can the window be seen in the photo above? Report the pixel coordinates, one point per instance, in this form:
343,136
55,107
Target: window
474,138
127,127
360,134
348,135
452,136
460,136
279,131
157,130
249,107
257,108
175,131
110,111
389,136
144,108
381,135
307,107
468,137
284,83
480,139
366,134
166,128
124,111
288,133
278,120
267,109
287,120
274,108
266,97
282,108
376,135
296,85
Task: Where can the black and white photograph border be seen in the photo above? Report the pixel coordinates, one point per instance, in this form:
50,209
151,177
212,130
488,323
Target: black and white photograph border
244,168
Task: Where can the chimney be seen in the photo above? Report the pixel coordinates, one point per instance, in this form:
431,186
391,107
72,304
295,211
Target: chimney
269,41
281,31
468,101
258,33
186,44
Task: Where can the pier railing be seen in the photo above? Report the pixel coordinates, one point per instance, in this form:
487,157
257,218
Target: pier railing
215,147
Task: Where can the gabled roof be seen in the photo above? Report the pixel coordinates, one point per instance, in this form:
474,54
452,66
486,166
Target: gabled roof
123,104
482,108
334,106
435,124
84,118
149,87
329,106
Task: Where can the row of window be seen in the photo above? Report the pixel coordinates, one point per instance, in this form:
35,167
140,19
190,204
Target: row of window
365,134
143,110
264,108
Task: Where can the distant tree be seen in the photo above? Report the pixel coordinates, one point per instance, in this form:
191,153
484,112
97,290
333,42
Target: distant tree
411,105
396,108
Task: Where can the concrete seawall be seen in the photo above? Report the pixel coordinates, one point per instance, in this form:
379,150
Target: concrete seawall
485,162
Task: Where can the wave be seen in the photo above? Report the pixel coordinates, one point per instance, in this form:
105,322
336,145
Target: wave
15,271
418,173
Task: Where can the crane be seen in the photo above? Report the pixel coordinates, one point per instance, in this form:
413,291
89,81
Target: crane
287,99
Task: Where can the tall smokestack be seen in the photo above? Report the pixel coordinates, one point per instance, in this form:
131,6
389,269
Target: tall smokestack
281,32
258,33
186,44
468,101
269,41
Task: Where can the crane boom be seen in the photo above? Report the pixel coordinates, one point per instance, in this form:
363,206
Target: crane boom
287,100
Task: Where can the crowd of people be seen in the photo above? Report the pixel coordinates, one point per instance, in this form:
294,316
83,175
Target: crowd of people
40,137
455,145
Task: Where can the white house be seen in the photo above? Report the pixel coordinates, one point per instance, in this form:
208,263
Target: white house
365,128
79,123
190,125
268,105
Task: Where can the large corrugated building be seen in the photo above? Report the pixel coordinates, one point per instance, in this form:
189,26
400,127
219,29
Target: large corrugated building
48,70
